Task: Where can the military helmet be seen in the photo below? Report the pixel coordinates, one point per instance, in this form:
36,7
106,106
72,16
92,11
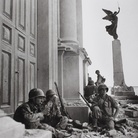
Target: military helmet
90,82
102,86
36,92
50,93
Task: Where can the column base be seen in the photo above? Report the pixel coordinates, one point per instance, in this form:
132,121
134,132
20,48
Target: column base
122,90
77,110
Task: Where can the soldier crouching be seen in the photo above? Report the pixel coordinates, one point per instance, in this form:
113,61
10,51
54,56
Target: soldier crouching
105,109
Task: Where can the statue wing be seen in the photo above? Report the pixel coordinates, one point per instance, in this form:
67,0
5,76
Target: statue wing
109,14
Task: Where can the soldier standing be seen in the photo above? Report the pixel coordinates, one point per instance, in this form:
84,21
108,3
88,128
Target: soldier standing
100,78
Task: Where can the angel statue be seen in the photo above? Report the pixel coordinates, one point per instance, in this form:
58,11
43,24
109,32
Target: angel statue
111,29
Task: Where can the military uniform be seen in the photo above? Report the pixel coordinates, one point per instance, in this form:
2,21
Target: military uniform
103,110
90,90
53,115
30,114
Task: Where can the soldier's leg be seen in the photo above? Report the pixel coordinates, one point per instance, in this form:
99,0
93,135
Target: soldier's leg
96,114
110,124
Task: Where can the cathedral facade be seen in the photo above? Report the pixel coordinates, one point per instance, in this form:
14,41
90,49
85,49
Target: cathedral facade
41,42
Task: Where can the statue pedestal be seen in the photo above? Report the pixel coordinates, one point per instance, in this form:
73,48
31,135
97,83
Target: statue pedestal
119,88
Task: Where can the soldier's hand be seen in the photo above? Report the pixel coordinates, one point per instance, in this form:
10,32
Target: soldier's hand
46,110
40,115
112,118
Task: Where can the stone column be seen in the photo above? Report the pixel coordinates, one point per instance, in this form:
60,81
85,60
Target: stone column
119,88
68,39
117,63
61,51
47,53
68,29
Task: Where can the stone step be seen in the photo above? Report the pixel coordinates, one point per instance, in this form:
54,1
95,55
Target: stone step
10,128
125,97
131,113
37,133
126,93
122,102
133,119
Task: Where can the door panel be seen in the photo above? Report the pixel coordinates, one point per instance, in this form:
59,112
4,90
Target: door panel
18,52
6,66
32,17
22,9
21,71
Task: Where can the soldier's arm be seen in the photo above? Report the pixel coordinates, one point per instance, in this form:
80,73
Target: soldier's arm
116,107
30,116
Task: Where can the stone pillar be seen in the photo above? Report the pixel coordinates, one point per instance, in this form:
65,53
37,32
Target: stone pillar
47,44
71,65
68,37
119,88
68,29
61,51
117,63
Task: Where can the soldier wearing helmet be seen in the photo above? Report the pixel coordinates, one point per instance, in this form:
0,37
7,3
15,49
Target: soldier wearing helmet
29,113
90,90
52,111
105,109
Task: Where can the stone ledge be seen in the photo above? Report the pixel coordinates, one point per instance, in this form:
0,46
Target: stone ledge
128,101
131,113
37,133
125,93
135,97
10,128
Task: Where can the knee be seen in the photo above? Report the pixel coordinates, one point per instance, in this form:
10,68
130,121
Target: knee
111,124
96,112
96,108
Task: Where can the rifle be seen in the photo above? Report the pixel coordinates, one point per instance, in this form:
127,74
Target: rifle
64,111
85,100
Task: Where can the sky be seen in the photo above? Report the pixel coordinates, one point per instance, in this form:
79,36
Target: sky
98,43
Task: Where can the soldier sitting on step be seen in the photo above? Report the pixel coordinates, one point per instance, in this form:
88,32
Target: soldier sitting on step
30,113
52,114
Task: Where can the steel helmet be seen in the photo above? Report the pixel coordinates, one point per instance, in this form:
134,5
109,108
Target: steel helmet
90,82
102,86
36,92
50,93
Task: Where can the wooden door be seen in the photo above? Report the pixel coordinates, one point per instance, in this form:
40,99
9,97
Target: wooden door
18,64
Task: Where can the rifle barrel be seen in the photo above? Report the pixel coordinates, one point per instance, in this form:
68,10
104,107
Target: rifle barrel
85,100
61,102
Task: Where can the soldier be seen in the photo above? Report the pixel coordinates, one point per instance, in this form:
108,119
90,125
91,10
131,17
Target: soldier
52,114
90,90
100,79
105,109
30,114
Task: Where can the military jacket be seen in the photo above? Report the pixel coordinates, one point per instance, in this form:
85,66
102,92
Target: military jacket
107,105
27,114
